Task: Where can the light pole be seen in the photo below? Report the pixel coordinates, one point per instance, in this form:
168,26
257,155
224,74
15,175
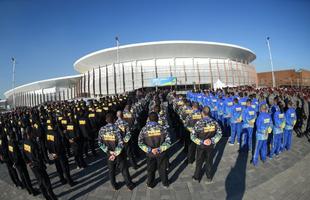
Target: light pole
271,63
117,58
13,79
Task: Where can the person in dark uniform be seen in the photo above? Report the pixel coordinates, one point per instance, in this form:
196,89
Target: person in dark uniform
19,164
154,140
126,136
34,160
190,122
4,157
73,135
93,129
84,126
110,141
206,134
39,135
57,153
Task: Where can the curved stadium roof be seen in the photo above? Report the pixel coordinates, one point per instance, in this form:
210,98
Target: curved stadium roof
163,49
43,84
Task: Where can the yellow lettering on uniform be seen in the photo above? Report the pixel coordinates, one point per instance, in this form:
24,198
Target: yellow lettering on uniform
91,115
209,129
63,121
109,137
196,116
27,148
243,103
59,118
36,126
127,115
238,109
50,138
152,132
98,110
105,108
230,103
70,127
251,112
49,127
188,111
48,121
266,121
11,149
122,127
82,122
281,116
110,104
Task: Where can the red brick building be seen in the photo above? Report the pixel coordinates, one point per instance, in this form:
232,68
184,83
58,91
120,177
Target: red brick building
290,77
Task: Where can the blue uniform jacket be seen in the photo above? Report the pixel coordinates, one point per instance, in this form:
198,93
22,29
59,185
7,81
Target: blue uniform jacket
263,126
236,114
290,117
249,116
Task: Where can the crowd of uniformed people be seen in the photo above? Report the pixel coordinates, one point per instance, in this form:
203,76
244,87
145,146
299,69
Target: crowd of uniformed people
132,126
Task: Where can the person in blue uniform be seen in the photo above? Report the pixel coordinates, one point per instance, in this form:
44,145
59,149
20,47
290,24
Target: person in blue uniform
235,122
279,124
263,128
248,117
290,117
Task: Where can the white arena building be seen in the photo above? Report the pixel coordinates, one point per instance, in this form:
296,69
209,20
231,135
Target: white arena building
180,64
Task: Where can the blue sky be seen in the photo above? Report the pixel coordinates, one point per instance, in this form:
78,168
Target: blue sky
47,36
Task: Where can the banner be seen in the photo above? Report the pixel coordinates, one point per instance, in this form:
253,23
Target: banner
164,81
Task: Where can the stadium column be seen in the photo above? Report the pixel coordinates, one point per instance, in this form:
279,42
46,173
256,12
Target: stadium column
88,83
100,91
232,71
71,92
35,99
211,74
156,72
94,83
185,76
132,76
142,81
218,69
170,73
123,70
107,79
67,94
244,72
175,69
114,72
84,85
226,75
238,72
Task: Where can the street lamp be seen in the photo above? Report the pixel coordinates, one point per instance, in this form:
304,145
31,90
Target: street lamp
271,63
13,79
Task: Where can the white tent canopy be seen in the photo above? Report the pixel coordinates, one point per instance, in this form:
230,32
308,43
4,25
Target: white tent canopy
218,84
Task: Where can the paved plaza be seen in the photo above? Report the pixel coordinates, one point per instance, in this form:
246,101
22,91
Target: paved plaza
286,177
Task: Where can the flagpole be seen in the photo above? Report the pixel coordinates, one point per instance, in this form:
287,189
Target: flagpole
271,63
117,57
13,80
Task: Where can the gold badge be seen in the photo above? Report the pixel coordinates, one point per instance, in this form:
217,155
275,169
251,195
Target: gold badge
50,138
27,148
70,127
